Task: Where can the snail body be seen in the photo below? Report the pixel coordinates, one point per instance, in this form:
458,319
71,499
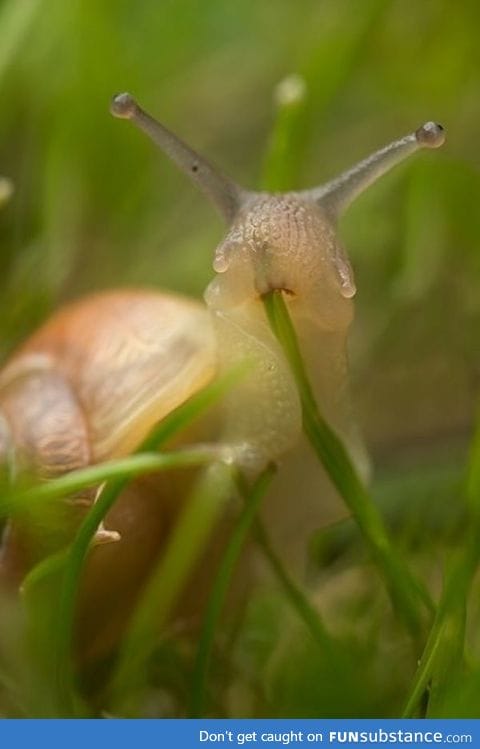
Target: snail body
92,382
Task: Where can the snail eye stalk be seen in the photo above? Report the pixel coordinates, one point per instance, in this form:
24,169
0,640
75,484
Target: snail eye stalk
336,196
225,194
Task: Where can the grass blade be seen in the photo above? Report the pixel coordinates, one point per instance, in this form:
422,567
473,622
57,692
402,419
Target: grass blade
124,469
76,558
293,592
184,547
281,163
220,587
408,596
445,642
172,425
16,18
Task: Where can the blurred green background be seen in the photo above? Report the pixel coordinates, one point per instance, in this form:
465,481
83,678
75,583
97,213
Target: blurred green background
96,207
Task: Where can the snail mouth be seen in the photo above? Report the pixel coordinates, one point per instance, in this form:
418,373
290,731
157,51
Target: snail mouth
284,289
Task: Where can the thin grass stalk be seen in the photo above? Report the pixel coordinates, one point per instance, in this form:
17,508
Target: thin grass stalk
453,602
219,590
281,162
294,594
76,558
334,656
123,469
185,545
16,19
172,425
408,595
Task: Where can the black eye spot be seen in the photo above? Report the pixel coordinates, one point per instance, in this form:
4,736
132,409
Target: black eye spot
195,168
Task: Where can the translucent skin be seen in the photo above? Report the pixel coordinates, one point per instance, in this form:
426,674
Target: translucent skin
285,242
277,242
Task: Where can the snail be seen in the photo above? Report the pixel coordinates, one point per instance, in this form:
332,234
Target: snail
94,379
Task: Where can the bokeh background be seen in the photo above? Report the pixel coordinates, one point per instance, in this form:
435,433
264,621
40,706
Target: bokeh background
94,206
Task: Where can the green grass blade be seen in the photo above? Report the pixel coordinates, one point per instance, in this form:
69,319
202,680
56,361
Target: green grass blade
186,414
219,590
16,17
445,644
424,670
183,550
449,616
78,553
172,425
293,592
124,469
408,596
44,569
448,663
281,163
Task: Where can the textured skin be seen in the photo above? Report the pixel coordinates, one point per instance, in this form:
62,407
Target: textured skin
285,242
276,242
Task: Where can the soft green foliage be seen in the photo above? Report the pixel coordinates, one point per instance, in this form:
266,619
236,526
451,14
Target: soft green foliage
95,207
